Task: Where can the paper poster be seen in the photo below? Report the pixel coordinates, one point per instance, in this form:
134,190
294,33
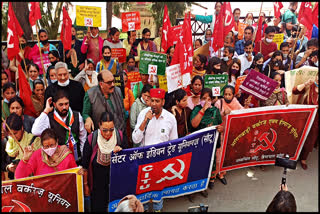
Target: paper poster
88,16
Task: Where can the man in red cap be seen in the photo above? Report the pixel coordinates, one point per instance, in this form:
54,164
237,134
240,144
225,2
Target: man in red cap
155,125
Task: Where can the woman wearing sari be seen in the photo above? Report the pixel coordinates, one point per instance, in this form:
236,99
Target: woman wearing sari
37,96
107,63
49,159
194,91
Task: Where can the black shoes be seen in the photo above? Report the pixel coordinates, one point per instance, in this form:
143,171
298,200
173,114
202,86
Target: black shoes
211,185
223,180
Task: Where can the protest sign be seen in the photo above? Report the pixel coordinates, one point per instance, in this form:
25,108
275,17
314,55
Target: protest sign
133,78
130,21
258,136
177,31
296,77
174,80
258,85
118,81
239,81
216,82
204,50
278,38
88,16
46,62
152,63
168,169
119,53
163,82
56,192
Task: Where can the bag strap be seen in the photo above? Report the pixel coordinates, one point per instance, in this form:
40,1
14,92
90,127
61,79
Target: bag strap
32,140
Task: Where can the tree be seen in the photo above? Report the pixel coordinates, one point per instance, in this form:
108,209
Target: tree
174,9
21,10
109,14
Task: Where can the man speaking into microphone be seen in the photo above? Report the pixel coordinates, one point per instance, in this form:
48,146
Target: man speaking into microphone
155,125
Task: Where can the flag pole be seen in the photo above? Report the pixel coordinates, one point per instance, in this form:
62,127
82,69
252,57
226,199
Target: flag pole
24,61
44,72
13,136
255,33
296,40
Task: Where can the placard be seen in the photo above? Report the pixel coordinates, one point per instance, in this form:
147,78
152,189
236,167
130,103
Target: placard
152,63
278,38
239,82
118,81
88,16
130,21
119,53
216,82
174,79
46,62
133,78
163,82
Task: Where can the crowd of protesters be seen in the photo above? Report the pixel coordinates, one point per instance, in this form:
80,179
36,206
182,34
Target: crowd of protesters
81,116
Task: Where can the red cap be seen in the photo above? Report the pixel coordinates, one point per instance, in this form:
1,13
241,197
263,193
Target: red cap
157,93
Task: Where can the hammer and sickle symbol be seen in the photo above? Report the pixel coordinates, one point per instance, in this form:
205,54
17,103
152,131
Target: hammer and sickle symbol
230,19
173,171
264,138
24,207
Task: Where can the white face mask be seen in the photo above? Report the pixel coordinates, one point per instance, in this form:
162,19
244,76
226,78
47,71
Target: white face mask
89,72
316,63
269,40
225,58
94,36
64,84
50,151
53,81
285,56
5,100
249,21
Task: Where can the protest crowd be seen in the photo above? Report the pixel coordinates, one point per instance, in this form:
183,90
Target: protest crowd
87,103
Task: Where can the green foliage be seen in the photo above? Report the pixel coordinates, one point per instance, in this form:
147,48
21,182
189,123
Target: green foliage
174,8
117,6
4,22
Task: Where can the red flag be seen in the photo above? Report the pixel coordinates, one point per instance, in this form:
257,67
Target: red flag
217,39
305,15
277,6
315,15
166,40
228,19
14,30
65,34
259,31
25,93
34,13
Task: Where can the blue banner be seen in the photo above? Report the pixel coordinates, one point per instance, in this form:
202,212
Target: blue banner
165,170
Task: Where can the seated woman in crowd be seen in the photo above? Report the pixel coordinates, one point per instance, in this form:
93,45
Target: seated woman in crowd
131,45
146,44
197,44
88,77
234,71
54,57
256,65
131,64
49,159
113,41
92,45
170,53
200,62
51,75
45,46
33,71
96,159
275,66
38,96
108,63
194,91
181,112
205,115
9,91
214,66
18,140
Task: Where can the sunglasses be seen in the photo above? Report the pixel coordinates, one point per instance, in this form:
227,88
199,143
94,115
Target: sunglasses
110,82
107,130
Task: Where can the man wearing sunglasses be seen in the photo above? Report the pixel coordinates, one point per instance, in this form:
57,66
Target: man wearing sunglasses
105,97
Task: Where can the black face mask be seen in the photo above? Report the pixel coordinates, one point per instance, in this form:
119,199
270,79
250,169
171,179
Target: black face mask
228,101
277,63
44,42
23,46
54,63
259,66
107,58
217,71
130,68
73,37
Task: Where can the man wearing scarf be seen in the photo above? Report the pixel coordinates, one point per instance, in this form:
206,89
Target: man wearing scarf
68,124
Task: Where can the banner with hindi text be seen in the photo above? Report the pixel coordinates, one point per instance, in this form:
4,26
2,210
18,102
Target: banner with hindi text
258,136
130,21
216,82
165,170
56,192
152,63
88,16
133,78
45,59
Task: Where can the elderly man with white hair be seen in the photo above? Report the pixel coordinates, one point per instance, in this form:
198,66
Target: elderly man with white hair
73,88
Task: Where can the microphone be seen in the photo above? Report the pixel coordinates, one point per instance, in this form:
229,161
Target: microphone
148,120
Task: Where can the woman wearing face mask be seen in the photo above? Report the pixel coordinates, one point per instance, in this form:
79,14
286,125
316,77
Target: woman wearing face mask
249,20
205,115
170,53
146,44
45,46
113,41
38,96
214,66
234,71
226,104
54,57
33,70
108,63
9,91
199,63
92,45
88,77
96,160
51,75
275,66
131,64
49,159
194,91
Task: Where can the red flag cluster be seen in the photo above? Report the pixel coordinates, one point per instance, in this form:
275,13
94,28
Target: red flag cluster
305,15
277,7
166,40
34,13
65,34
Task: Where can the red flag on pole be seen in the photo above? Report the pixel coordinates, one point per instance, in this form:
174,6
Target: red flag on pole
277,7
34,13
315,14
14,30
166,30
228,19
25,93
217,39
65,34
305,15
259,31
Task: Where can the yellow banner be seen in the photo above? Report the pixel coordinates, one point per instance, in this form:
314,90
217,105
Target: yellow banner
278,38
88,16
163,82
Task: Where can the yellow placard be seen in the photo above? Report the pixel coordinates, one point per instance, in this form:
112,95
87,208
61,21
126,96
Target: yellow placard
88,16
163,82
204,50
278,38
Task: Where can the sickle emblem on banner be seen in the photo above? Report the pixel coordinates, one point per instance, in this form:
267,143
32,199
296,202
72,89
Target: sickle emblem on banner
173,171
264,138
24,207
227,15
